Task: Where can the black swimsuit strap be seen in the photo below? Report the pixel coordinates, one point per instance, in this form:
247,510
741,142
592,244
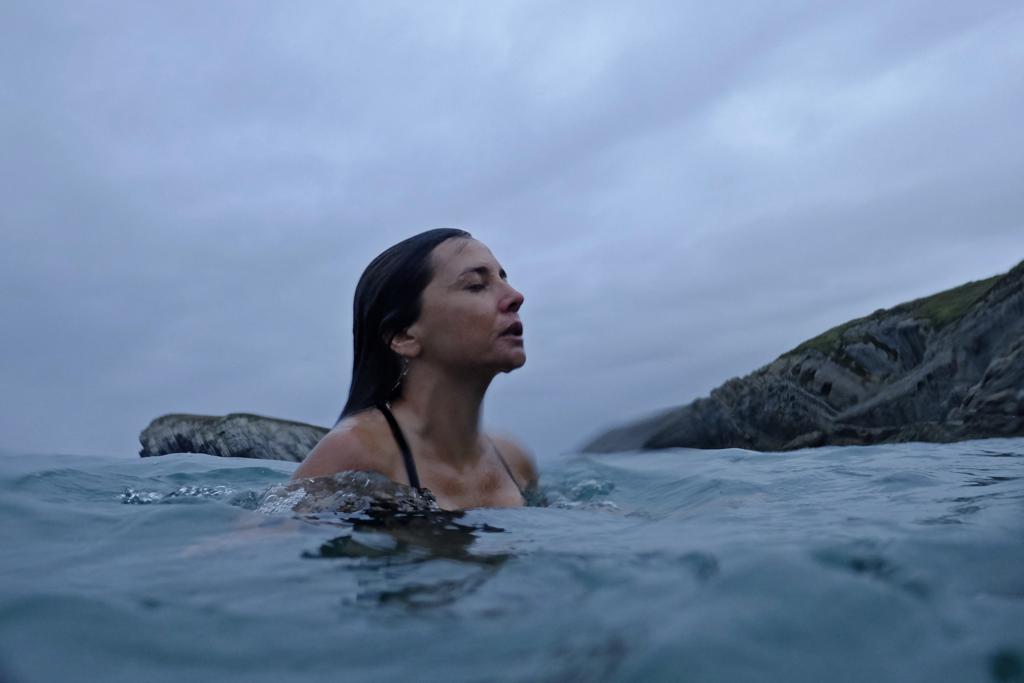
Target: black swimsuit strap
410,465
403,445
507,468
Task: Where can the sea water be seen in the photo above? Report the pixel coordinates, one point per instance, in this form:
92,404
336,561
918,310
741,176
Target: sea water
881,563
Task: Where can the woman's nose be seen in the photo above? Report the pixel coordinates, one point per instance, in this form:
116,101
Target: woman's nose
515,299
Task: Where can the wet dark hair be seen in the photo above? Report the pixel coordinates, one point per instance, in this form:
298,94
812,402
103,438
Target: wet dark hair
388,299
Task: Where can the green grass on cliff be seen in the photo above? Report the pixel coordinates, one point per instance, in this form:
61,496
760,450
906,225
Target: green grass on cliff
940,309
949,306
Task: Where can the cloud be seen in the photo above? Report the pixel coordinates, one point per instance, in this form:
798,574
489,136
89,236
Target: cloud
682,190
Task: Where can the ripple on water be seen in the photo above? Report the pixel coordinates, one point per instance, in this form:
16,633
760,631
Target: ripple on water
867,559
1007,666
988,480
905,480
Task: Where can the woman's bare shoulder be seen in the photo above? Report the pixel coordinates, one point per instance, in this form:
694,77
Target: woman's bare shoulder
520,459
355,443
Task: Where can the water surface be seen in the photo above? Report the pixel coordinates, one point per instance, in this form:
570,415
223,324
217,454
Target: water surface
883,563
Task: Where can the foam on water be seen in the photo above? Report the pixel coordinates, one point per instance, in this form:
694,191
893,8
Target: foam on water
884,563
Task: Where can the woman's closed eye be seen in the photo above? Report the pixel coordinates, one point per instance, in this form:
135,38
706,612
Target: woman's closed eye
475,288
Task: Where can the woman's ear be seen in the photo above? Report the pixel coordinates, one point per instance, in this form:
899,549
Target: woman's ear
404,343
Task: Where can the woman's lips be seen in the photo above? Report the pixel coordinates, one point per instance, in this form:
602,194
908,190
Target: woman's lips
513,330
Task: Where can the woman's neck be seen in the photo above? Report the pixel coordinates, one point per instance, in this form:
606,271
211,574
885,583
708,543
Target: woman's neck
445,410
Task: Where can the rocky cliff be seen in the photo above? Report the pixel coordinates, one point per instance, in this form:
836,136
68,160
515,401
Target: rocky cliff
240,435
942,368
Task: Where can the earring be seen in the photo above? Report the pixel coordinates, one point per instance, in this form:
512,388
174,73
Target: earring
405,371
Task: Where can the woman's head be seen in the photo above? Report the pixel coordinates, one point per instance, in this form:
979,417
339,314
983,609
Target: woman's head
437,297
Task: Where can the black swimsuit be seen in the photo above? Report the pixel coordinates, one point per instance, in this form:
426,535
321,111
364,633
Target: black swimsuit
410,465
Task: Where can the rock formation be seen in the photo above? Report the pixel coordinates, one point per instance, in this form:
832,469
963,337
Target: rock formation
241,435
942,368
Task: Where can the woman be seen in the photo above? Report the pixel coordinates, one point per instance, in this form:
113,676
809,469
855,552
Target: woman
435,320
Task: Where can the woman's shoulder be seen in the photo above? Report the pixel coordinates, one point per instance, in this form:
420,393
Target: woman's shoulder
357,442
520,459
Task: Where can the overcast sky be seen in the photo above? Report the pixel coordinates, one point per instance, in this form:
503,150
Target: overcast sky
682,191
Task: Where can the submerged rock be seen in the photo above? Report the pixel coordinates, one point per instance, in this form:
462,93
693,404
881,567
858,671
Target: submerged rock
943,368
240,435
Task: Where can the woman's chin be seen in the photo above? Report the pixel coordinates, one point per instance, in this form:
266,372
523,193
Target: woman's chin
517,362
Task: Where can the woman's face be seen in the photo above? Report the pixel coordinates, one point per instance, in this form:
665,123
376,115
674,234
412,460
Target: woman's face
467,310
